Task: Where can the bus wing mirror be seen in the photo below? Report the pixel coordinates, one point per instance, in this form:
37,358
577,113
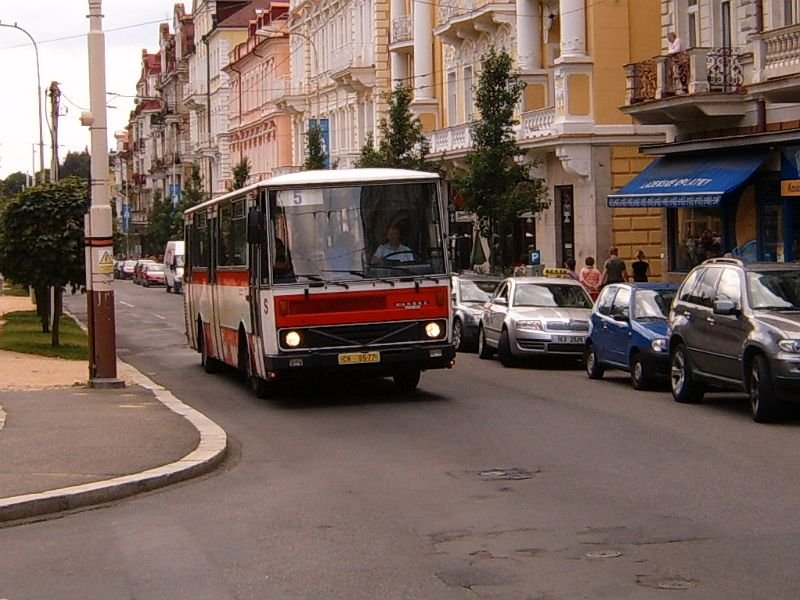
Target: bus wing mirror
255,227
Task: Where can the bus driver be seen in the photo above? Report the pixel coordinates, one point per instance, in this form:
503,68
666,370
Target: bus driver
393,249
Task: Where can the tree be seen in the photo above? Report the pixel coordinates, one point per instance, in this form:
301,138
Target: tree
240,174
402,145
161,225
192,195
77,164
317,157
42,244
496,183
13,184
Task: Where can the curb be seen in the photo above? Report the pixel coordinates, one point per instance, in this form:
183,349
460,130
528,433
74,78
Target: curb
209,453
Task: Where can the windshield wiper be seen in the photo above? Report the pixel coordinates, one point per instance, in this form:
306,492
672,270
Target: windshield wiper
359,273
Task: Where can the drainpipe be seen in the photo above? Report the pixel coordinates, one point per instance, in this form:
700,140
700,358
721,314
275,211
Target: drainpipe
208,116
761,105
239,77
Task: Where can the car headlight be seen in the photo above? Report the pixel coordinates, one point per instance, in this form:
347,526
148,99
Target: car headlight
432,330
792,346
529,325
659,345
292,339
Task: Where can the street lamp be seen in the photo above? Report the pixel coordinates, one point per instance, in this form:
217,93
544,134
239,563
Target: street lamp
99,236
39,96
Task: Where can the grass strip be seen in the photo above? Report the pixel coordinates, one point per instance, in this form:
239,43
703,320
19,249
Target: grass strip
15,290
22,332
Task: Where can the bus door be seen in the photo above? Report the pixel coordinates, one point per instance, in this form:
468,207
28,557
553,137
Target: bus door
257,266
213,298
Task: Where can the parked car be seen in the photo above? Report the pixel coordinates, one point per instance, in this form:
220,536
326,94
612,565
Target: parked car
152,274
736,326
128,269
138,270
470,292
535,316
628,331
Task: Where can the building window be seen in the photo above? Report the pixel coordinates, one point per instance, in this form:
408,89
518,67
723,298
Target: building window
696,234
693,19
452,95
469,103
725,22
791,12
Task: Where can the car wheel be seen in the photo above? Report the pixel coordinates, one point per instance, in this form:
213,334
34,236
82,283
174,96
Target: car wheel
684,388
458,335
407,379
211,365
594,369
763,400
640,376
507,358
484,351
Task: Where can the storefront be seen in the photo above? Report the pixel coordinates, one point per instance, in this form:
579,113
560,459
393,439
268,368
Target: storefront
716,203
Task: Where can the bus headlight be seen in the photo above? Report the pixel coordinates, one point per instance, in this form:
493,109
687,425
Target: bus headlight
432,330
292,339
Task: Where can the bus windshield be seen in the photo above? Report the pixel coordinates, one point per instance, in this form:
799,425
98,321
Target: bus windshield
355,232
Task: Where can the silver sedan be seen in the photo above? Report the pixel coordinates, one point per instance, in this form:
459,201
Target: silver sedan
534,316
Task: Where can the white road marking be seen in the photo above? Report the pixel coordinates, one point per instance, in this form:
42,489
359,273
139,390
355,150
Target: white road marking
160,317
126,304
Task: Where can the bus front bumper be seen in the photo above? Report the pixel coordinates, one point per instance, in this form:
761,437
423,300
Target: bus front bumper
382,362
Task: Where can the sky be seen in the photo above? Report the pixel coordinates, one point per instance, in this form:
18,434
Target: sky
59,28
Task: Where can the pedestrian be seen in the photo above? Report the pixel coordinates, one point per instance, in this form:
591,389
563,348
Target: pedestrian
590,277
570,266
614,270
640,267
677,63
674,43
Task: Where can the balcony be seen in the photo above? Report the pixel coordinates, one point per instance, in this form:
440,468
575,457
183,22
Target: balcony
288,98
776,75
468,19
537,124
353,66
456,139
402,34
700,83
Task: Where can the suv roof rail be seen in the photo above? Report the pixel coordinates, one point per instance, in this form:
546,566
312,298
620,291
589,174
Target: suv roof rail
725,260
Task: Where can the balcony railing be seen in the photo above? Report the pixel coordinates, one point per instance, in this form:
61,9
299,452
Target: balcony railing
777,53
403,29
693,71
352,55
537,123
458,137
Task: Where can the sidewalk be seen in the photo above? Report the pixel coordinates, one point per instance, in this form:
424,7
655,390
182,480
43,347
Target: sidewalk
65,447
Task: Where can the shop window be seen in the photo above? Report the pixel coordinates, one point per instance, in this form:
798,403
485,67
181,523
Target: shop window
772,233
697,236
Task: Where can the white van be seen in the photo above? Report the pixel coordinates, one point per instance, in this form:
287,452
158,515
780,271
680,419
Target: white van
173,265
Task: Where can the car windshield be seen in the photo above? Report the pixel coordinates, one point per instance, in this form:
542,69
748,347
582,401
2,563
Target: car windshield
559,295
774,290
155,267
476,290
653,304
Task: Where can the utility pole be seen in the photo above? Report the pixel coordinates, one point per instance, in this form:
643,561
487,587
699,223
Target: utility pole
55,100
99,238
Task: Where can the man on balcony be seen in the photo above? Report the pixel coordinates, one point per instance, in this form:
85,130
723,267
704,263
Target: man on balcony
677,63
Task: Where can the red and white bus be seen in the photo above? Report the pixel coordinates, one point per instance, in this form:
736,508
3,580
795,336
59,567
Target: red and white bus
319,272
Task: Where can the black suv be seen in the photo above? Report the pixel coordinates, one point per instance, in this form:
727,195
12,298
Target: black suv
736,326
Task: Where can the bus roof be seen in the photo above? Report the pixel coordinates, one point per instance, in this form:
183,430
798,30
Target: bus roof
326,177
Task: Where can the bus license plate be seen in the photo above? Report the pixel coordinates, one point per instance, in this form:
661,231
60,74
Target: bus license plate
570,339
359,358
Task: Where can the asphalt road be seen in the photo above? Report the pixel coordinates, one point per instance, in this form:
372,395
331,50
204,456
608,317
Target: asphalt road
528,483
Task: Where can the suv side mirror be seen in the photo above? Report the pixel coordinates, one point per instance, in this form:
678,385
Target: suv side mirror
725,307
